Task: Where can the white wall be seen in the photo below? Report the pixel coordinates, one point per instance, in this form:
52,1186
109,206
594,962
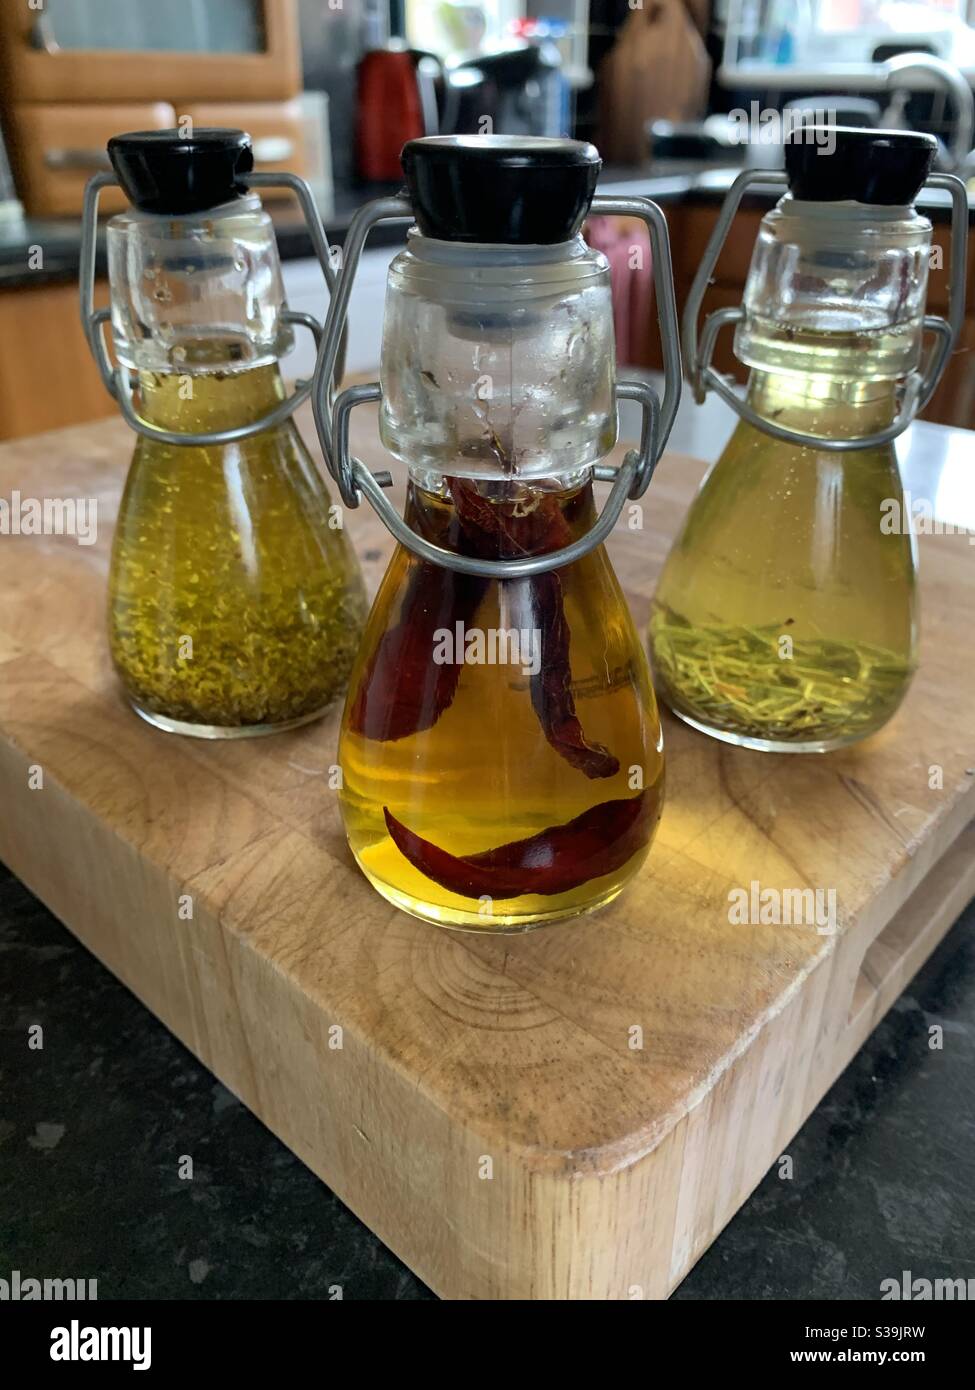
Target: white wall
305,289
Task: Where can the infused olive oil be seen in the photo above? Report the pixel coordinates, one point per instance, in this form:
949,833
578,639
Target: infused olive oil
785,617
235,601
501,755
500,748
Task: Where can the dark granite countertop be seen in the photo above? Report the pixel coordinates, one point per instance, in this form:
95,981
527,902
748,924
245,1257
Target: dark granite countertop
60,238
666,182
93,1126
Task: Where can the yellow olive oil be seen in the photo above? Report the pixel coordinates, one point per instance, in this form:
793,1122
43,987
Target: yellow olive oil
236,603
467,762
785,617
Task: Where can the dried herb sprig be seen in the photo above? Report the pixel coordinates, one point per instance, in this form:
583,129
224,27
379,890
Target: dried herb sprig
737,679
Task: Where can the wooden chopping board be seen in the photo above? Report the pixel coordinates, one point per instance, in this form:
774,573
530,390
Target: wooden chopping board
479,1102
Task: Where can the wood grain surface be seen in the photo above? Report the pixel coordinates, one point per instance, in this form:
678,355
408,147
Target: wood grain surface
486,1113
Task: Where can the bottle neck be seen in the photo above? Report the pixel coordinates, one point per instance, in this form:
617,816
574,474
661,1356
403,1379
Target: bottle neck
833,407
207,401
498,361
185,290
501,519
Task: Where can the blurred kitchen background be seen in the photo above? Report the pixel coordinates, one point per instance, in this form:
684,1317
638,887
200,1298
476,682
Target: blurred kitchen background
332,88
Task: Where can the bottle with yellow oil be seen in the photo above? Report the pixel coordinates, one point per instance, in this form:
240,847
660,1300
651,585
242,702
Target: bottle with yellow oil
500,748
235,602
786,618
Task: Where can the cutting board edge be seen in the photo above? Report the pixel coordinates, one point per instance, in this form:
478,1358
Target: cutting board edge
653,1199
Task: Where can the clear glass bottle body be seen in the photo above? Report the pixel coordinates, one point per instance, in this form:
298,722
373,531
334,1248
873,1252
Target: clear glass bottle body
785,618
500,747
235,601
501,750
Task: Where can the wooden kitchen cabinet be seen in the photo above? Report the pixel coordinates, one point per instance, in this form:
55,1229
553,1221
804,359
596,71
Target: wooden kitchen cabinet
47,375
954,401
61,101
276,128
690,232
690,229
37,67
56,147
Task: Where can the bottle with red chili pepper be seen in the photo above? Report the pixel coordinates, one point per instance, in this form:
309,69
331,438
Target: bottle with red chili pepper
500,749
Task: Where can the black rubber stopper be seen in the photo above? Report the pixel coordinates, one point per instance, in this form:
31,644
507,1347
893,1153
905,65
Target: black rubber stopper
164,171
830,164
515,190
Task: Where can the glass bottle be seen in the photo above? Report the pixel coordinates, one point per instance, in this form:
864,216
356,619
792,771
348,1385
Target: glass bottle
235,601
500,748
785,618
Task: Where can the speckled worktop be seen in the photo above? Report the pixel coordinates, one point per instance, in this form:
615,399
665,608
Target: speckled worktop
92,1129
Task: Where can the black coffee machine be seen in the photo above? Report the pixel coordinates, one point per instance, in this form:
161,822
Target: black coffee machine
521,90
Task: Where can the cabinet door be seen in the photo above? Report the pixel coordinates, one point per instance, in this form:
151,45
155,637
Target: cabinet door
696,223
47,375
168,50
954,401
56,147
276,128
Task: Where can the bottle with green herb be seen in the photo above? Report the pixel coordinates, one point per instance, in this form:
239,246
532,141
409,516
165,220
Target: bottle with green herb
235,601
786,618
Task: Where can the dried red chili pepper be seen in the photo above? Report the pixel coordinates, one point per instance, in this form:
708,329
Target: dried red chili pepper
539,603
404,691
555,860
551,689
